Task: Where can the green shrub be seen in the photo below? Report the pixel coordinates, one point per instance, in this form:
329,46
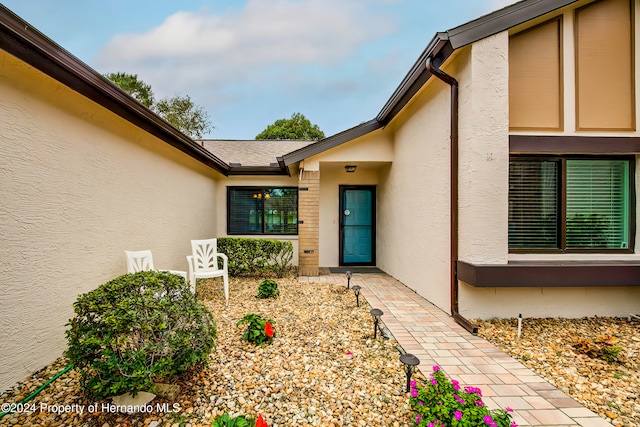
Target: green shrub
268,289
259,330
136,330
256,256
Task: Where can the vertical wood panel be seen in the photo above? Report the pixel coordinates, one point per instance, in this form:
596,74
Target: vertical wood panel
604,66
535,70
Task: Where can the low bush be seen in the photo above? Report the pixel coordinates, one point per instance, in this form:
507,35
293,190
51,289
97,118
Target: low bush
259,330
136,330
268,289
250,257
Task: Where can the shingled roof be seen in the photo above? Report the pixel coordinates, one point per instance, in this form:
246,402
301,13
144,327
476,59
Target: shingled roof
252,152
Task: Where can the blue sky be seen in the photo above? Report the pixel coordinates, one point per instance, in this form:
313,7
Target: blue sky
251,62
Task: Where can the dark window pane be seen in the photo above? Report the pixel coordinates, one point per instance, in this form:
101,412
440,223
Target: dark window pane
245,210
281,211
533,204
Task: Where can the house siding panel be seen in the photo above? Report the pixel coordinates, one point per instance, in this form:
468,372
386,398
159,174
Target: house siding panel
79,186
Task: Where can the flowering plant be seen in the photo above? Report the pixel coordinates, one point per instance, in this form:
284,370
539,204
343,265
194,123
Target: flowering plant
442,403
259,330
239,421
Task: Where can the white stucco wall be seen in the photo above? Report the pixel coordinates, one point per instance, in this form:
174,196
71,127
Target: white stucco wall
259,181
413,219
78,186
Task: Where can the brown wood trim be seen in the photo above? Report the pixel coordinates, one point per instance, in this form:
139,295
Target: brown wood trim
573,144
520,274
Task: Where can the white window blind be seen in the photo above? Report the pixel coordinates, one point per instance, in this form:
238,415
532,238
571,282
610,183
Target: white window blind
597,204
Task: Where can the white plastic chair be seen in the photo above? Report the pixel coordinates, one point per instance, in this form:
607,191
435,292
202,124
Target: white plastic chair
143,261
203,263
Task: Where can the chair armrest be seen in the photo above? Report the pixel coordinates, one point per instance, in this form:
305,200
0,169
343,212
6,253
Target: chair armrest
190,262
225,261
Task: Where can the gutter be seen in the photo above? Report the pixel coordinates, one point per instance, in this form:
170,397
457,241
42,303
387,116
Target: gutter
453,179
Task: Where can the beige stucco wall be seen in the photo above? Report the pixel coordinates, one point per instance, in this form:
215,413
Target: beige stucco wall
413,196
260,181
78,186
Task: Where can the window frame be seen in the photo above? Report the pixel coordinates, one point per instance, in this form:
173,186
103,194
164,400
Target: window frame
263,190
562,203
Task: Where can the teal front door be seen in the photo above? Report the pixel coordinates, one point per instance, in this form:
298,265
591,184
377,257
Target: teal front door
357,225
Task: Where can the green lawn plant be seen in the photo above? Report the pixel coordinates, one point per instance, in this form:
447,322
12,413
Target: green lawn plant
268,289
259,330
442,403
136,330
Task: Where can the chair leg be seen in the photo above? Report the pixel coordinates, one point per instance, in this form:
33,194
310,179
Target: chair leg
193,284
225,278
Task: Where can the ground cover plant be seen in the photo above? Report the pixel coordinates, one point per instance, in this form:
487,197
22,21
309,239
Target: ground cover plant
442,402
268,289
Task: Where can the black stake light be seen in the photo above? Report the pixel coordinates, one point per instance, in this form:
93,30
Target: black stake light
410,362
376,313
356,290
348,279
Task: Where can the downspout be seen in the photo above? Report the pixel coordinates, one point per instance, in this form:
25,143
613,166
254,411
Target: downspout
453,180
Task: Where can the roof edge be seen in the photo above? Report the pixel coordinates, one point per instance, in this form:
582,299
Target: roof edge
331,142
20,39
502,19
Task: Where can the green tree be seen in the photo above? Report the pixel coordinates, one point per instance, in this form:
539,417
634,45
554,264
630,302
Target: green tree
130,83
297,127
179,111
183,114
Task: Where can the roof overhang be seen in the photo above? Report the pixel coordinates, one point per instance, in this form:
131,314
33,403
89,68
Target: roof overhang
26,43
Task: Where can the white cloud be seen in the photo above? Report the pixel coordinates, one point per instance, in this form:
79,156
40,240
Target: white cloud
255,45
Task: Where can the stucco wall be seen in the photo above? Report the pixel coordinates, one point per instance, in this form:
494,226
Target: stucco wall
413,220
80,185
259,181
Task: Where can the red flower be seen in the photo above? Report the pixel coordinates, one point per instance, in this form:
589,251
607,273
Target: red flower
269,331
260,422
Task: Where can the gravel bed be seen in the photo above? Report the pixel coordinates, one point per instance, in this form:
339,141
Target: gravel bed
322,369
547,346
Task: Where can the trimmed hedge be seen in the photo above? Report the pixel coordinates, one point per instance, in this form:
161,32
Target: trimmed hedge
138,329
250,256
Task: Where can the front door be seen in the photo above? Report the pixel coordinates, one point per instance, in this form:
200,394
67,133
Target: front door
357,225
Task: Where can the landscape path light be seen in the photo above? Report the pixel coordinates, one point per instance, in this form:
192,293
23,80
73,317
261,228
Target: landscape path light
410,362
356,290
348,279
376,313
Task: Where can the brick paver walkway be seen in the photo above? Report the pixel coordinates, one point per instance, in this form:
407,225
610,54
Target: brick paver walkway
436,339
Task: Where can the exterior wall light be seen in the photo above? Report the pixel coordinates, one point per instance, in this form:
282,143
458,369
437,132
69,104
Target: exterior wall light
376,313
350,168
356,290
410,362
348,279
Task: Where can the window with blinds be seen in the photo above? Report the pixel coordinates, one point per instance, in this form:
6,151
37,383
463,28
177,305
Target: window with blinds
262,210
565,204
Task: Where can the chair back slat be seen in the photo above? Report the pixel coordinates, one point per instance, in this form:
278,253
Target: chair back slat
139,261
205,254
